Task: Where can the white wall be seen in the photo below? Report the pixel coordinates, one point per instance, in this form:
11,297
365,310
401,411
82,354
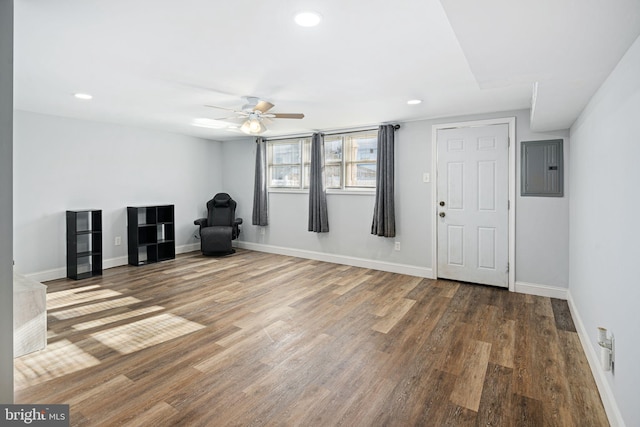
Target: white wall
6,200
541,225
66,164
605,201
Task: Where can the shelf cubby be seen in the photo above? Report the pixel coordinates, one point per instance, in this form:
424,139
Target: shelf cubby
84,243
150,234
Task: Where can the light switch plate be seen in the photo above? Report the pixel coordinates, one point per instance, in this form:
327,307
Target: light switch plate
426,177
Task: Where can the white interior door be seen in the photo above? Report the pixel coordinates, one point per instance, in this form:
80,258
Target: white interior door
473,197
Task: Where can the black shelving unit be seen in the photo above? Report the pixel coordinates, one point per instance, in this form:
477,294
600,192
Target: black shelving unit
150,234
84,243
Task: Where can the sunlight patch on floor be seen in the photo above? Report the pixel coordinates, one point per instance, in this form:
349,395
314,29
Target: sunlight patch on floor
94,308
58,359
115,318
78,296
145,333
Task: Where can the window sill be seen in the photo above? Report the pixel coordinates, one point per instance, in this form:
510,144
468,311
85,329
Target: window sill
351,191
331,192
287,190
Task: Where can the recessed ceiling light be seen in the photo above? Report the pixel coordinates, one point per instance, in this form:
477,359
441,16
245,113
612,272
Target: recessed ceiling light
414,101
308,19
84,96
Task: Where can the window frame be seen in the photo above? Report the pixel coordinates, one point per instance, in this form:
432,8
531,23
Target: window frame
304,144
350,159
271,164
333,163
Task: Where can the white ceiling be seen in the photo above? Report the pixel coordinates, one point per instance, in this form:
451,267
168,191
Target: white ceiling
156,63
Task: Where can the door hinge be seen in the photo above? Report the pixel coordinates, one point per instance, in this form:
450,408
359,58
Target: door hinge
507,267
508,204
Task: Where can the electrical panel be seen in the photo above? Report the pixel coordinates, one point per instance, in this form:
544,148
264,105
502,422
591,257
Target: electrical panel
542,168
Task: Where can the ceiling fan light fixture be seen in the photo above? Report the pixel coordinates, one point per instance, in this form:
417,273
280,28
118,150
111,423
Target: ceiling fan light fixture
307,19
253,126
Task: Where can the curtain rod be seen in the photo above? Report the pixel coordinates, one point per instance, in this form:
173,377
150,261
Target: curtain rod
304,135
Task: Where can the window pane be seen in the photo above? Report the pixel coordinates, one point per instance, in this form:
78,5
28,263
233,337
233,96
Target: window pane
286,153
332,176
307,175
361,175
306,143
285,176
365,148
332,149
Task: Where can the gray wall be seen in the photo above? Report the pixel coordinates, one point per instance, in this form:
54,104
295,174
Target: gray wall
62,164
604,222
542,230
6,200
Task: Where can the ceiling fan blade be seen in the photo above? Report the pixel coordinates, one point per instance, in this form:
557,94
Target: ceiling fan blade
263,106
287,115
221,108
222,119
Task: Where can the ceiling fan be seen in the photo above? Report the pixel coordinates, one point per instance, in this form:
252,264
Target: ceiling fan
254,115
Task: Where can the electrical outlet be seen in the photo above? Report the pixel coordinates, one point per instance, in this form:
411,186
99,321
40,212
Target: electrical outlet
396,246
118,240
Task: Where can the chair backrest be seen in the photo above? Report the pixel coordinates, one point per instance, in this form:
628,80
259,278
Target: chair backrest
221,210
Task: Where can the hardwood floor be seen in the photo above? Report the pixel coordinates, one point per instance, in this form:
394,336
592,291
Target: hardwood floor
261,339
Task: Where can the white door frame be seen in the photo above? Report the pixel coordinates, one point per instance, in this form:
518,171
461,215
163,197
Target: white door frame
511,122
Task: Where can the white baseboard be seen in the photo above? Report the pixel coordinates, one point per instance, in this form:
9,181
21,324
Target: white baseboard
606,394
340,259
541,290
60,273
44,276
188,248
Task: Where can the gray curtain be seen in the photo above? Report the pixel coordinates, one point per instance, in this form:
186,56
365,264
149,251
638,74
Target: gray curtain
384,217
260,195
318,217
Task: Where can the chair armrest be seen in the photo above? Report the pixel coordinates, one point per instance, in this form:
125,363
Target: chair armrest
202,222
236,228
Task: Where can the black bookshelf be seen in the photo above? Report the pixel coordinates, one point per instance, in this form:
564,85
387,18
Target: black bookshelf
150,234
84,243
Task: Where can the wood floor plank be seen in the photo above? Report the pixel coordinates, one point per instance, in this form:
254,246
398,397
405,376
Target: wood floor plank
254,339
393,315
110,387
493,409
470,382
527,412
156,415
582,387
562,315
433,407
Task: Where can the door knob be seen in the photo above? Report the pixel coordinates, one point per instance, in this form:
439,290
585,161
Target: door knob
442,214
441,203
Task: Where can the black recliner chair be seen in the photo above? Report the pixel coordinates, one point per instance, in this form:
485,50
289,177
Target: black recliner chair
220,226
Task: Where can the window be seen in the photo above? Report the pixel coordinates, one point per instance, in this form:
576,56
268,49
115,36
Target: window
360,164
285,167
349,161
333,161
